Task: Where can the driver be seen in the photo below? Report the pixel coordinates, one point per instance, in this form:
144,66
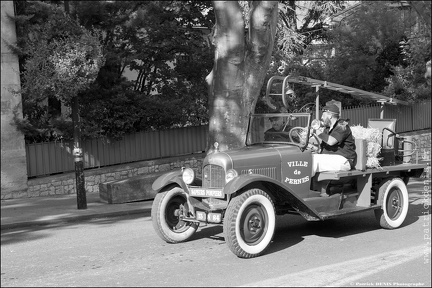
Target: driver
337,145
278,125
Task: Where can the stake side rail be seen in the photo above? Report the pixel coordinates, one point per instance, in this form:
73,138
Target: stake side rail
336,175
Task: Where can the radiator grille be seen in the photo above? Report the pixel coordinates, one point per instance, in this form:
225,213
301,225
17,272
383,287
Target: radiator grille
270,171
213,176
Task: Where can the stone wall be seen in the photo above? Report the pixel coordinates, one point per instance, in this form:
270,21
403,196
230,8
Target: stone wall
422,138
65,183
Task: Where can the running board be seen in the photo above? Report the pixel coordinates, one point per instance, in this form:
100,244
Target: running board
325,215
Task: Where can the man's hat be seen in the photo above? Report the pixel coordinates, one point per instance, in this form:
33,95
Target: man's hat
332,108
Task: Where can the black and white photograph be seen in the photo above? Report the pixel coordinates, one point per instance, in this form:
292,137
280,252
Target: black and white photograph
215,143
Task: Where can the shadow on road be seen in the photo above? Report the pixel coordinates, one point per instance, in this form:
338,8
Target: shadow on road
290,229
28,233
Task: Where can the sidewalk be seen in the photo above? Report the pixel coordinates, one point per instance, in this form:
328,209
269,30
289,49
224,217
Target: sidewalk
23,212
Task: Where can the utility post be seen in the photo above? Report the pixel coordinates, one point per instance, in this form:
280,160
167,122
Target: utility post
78,157
77,151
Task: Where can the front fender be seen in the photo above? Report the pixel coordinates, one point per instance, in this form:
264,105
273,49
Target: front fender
308,212
174,177
246,179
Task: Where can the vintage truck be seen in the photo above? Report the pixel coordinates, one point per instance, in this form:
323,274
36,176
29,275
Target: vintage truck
244,189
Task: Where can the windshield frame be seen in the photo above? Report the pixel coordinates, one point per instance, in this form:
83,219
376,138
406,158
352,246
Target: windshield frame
289,116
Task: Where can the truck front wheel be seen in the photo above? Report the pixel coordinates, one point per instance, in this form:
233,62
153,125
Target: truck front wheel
167,209
394,203
249,223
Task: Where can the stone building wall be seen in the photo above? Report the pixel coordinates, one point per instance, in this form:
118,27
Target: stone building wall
65,183
422,138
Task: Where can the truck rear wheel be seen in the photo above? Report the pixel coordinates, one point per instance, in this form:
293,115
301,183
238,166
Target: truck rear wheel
249,223
167,208
394,203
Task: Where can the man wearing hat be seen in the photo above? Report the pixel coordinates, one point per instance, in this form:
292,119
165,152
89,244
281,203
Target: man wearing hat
337,143
278,125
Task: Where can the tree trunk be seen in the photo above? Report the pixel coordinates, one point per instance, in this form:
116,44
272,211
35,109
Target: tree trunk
241,63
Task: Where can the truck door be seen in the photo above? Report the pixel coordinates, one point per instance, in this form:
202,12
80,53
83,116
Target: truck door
296,169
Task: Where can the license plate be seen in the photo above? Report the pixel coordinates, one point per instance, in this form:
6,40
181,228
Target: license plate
205,192
209,217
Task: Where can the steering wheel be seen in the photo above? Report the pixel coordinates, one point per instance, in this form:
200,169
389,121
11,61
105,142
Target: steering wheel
300,133
276,136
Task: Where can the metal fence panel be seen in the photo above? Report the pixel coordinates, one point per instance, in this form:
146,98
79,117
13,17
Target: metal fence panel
169,141
421,115
149,145
90,151
49,158
360,115
64,152
402,114
102,152
31,163
183,141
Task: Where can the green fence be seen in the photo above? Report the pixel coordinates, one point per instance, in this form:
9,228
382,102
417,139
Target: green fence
408,118
56,157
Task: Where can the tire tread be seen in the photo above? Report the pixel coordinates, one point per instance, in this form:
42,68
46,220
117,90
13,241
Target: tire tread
229,223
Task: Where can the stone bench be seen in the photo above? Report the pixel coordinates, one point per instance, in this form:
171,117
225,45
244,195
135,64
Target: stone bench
132,189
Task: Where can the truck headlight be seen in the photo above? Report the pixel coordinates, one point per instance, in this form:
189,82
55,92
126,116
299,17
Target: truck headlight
188,176
230,174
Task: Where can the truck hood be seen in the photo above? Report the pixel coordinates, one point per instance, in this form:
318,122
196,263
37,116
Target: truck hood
250,158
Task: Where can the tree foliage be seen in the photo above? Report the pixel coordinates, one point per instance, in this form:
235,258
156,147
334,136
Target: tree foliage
376,50
407,81
161,45
162,42
59,59
166,48
366,45
157,44
301,25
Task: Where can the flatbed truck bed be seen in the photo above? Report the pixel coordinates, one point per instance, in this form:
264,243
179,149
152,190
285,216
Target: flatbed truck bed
336,175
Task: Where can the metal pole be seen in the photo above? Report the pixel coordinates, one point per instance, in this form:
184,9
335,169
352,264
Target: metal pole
317,102
77,151
78,158
382,110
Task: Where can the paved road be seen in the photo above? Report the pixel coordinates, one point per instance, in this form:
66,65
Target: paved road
125,251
